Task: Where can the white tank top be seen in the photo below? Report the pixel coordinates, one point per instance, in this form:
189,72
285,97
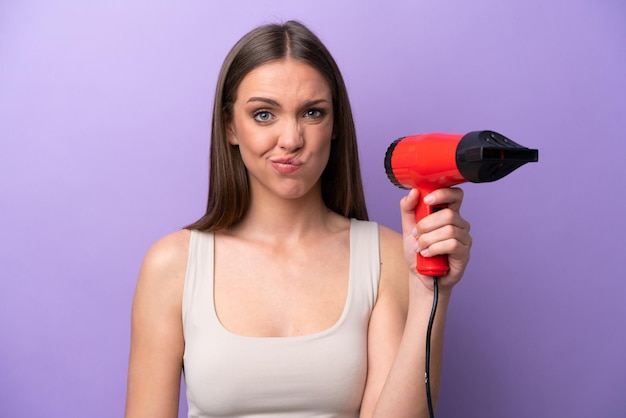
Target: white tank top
315,375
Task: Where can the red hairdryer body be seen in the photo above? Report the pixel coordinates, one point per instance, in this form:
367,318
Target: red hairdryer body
432,161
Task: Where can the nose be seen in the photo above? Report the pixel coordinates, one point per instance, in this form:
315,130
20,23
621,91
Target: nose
291,137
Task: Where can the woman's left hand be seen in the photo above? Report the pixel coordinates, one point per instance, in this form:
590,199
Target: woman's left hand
443,232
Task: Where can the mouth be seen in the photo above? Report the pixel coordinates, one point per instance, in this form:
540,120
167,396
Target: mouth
286,165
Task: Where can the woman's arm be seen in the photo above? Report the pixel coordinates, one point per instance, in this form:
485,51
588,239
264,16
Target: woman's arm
156,349
397,333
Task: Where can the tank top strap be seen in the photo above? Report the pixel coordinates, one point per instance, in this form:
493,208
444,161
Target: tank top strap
198,289
364,262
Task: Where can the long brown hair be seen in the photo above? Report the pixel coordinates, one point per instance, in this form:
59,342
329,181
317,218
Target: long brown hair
229,194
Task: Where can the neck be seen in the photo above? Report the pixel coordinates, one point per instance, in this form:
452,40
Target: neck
274,218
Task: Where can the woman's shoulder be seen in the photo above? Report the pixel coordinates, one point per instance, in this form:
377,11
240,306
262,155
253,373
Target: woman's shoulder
394,268
167,256
159,289
390,239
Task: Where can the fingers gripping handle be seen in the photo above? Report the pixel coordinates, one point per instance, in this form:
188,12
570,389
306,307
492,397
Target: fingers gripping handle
435,266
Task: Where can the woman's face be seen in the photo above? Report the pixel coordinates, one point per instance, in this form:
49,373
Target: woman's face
282,121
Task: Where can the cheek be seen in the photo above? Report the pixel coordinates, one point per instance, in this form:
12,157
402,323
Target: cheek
254,147
324,146
329,137
252,139
322,132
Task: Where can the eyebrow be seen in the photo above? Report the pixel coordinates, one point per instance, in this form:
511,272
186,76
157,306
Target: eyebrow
275,103
264,100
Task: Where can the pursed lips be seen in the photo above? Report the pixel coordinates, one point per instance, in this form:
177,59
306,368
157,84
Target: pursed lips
286,165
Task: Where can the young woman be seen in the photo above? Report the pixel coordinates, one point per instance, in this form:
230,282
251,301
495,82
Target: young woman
283,299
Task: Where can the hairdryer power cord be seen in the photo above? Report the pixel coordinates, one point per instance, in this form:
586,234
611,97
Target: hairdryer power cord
431,411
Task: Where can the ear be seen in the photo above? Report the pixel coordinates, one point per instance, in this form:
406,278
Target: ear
231,133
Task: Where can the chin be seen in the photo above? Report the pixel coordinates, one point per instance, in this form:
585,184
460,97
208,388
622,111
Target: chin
299,192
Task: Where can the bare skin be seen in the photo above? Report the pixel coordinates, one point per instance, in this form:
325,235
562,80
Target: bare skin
282,124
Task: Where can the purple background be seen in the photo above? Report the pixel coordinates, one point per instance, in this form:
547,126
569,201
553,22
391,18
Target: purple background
104,134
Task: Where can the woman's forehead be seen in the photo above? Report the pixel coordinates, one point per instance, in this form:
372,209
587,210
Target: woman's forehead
285,78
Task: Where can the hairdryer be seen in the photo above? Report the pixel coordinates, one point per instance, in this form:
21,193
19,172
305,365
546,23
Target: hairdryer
435,160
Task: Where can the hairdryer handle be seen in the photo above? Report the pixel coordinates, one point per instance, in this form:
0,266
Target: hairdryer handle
435,266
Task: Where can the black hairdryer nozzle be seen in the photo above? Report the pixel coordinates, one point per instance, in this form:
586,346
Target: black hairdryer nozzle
485,156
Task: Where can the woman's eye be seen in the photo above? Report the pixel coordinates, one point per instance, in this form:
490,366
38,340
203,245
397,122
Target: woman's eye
262,116
314,113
